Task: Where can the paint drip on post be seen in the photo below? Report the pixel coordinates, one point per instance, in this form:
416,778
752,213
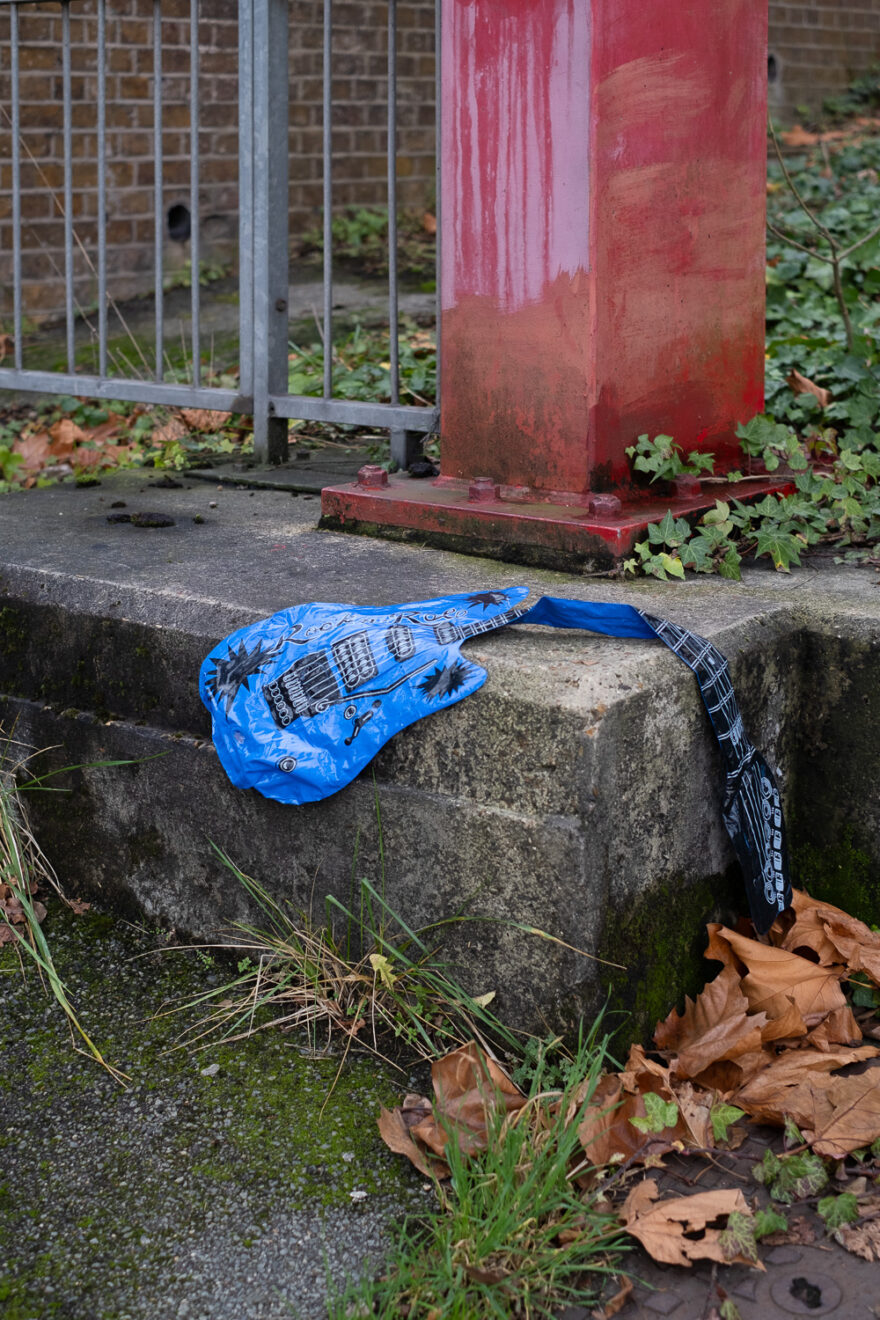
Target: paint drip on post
302,701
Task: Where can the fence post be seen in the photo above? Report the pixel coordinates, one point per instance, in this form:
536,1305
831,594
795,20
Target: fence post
269,153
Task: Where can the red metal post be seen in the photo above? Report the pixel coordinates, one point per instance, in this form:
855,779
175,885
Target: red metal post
602,228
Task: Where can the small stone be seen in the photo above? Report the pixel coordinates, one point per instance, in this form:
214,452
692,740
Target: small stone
663,1303
358,1195
348,1156
211,1070
212,504
784,1256
746,1289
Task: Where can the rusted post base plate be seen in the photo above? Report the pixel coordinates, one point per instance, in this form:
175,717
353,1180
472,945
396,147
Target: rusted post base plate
475,520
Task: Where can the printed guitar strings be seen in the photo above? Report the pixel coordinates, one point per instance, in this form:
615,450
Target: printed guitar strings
302,701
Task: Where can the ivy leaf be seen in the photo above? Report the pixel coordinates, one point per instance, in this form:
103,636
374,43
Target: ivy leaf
782,547
792,1135
738,1238
769,1221
729,1310
659,1114
721,1116
719,514
792,1177
669,531
729,566
672,565
838,1210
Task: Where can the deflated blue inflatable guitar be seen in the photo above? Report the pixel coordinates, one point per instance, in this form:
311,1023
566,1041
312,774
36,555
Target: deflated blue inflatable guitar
302,701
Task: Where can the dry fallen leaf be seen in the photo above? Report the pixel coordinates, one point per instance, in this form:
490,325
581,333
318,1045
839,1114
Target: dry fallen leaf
65,436
395,1133
204,419
429,223
790,1084
833,935
712,1027
170,431
799,384
469,1089
850,1117
839,1028
662,1226
615,1303
799,137
800,1232
34,451
606,1133
861,1239
777,979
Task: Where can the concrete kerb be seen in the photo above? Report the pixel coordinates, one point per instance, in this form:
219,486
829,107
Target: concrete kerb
578,791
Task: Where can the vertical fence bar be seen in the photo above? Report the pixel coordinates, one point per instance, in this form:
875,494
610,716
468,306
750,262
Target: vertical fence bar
102,189
194,184
270,221
16,186
159,219
438,161
394,353
245,196
405,445
328,198
68,185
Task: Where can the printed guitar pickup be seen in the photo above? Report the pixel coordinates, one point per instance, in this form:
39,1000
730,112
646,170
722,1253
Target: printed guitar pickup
310,685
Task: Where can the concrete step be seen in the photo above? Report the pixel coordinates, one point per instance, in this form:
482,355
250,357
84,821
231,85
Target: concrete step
577,791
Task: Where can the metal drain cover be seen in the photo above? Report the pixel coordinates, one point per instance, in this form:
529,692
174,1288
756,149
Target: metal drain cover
802,1291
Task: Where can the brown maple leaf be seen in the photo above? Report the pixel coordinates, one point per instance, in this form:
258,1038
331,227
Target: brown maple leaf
204,419
713,1027
790,1085
861,1239
776,979
799,384
833,935
34,450
65,436
849,1117
470,1088
663,1227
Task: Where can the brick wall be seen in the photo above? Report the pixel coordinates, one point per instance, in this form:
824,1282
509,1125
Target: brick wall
359,138
816,48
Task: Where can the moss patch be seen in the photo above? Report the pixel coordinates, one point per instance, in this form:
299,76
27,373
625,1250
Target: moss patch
842,874
660,938
121,1202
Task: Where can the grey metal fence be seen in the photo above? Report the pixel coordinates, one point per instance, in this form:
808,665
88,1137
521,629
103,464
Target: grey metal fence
263,235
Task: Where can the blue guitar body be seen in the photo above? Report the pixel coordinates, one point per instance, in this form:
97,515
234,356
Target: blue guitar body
302,701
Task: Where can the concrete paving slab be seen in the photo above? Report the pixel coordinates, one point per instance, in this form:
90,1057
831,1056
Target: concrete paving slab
577,791
235,1183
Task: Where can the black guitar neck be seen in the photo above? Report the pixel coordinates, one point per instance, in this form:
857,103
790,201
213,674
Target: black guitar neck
445,633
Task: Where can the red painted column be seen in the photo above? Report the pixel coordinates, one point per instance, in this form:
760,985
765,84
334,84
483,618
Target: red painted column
602,243
603,256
